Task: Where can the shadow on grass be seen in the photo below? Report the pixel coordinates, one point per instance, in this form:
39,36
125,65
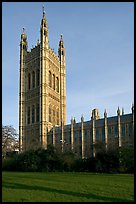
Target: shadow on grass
65,192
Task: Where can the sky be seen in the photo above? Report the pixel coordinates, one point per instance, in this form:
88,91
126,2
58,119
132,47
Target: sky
99,42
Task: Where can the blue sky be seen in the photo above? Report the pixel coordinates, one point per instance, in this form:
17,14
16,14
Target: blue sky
99,42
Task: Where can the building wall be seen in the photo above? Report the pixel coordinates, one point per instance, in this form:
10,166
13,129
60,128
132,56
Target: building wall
82,134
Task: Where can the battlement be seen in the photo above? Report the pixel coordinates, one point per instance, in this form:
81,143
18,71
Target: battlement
53,54
33,53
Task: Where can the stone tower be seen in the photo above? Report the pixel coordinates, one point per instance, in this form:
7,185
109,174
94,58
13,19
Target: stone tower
42,103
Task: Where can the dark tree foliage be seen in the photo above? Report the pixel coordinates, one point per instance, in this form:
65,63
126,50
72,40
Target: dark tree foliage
112,160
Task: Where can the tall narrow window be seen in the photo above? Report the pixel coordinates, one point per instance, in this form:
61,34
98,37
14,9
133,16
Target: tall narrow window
50,81
57,84
29,81
28,115
57,115
33,76
38,77
53,116
50,113
53,81
37,113
33,114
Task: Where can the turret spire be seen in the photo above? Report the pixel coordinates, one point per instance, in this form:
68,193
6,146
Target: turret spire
24,38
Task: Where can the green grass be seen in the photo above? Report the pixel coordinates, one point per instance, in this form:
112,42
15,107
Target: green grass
63,187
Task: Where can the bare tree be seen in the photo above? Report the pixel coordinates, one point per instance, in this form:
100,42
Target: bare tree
9,139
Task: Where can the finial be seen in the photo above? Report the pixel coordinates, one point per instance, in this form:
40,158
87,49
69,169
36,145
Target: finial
23,30
61,37
43,11
23,35
118,111
132,108
71,119
82,118
38,42
74,120
122,111
105,113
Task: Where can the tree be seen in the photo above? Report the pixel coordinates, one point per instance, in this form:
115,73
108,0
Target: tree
126,158
9,140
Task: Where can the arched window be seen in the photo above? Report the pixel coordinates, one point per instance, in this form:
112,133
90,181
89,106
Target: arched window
38,77
33,114
50,81
57,84
50,119
57,116
28,115
53,81
53,116
37,113
29,81
33,77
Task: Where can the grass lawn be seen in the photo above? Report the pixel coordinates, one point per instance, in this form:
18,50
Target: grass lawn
63,187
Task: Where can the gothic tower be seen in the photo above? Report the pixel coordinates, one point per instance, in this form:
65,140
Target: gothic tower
42,103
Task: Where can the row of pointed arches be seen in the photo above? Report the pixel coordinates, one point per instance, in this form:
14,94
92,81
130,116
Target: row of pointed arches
33,114
53,82
33,79
53,115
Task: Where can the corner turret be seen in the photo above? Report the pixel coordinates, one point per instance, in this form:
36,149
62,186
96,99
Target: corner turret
44,31
23,42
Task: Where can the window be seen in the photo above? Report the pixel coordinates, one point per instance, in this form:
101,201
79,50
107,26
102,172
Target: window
97,134
127,128
29,81
50,81
85,135
37,113
109,130
103,134
57,115
53,116
57,84
33,114
116,131
38,77
50,113
28,115
33,77
123,130
53,81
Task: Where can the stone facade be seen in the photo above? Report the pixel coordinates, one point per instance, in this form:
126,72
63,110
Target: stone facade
42,105
82,137
42,102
